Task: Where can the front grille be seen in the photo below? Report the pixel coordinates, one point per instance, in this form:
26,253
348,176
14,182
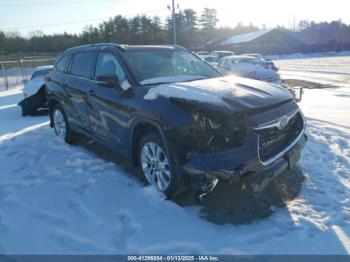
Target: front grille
272,140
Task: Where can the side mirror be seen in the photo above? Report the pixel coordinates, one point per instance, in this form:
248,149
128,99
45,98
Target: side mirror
109,81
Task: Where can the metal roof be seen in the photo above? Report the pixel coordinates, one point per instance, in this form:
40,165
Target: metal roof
237,39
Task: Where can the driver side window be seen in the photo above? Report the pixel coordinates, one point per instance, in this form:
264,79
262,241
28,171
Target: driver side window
107,64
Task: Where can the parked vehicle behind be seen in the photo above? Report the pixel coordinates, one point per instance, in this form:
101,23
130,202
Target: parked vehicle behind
211,60
250,67
34,91
221,54
174,116
202,53
269,63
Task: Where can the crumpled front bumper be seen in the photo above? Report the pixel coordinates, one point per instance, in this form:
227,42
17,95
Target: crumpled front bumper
240,162
31,103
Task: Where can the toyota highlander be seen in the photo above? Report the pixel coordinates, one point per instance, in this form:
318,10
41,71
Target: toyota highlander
174,116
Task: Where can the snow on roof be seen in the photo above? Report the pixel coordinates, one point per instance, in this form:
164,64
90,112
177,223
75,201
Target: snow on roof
185,91
236,39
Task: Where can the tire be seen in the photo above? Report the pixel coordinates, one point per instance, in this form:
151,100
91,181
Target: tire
160,175
61,125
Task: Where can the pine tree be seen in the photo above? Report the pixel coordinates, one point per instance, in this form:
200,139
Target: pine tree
208,19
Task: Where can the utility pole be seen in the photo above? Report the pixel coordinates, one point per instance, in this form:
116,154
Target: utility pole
174,20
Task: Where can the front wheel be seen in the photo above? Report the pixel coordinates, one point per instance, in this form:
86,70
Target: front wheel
61,125
157,166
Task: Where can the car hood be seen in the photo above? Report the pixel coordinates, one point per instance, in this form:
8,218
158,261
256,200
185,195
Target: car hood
233,93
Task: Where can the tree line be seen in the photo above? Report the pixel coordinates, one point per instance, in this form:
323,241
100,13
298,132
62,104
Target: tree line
193,30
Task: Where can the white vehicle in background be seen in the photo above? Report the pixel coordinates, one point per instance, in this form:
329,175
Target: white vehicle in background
211,60
214,57
221,54
202,53
268,61
254,67
34,91
250,67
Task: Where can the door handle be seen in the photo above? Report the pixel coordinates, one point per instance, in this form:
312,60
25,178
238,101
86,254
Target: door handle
91,93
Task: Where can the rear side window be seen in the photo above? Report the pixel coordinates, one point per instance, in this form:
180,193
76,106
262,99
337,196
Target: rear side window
62,64
82,65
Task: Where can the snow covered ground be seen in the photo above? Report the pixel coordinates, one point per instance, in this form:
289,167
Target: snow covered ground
333,71
14,76
61,199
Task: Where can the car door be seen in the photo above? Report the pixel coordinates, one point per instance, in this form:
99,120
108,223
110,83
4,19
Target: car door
59,74
79,83
110,110
58,79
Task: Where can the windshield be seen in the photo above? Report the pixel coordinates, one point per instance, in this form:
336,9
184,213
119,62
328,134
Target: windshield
165,66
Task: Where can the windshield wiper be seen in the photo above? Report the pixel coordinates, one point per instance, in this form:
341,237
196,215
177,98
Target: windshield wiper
194,79
159,83
171,79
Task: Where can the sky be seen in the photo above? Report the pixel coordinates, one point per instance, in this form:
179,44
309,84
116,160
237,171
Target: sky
57,16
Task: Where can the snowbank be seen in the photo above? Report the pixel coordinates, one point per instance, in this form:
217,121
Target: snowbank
333,71
309,55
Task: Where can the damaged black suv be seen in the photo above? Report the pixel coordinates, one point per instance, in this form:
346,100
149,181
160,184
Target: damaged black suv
175,116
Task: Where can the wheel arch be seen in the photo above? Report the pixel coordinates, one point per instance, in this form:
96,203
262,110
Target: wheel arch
139,129
52,101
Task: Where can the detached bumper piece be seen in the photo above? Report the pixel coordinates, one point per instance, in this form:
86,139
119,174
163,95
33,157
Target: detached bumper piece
32,103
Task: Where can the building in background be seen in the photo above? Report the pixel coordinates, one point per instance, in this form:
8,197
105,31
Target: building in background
266,42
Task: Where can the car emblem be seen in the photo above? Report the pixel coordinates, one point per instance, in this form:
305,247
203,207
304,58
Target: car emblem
282,123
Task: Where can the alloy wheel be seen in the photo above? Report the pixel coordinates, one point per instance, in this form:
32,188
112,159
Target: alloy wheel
59,124
155,165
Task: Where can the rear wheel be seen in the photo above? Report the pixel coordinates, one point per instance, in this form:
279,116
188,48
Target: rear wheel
61,125
157,166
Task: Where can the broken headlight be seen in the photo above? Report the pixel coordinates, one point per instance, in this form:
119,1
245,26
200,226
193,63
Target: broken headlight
202,123
212,133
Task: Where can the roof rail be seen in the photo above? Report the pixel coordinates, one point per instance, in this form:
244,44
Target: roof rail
92,45
121,46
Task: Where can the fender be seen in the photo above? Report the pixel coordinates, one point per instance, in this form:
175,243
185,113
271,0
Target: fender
52,99
143,120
